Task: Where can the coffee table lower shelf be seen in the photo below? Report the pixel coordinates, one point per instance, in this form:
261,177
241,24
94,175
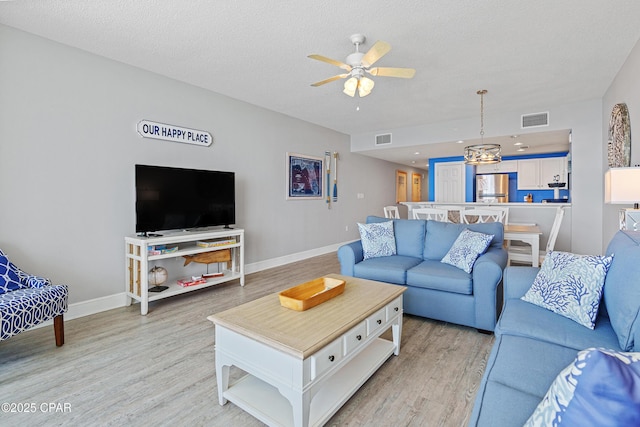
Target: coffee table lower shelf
265,402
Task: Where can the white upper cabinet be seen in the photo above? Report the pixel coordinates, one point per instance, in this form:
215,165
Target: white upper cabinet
502,167
536,174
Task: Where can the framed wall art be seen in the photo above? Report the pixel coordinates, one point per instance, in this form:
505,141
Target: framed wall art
304,177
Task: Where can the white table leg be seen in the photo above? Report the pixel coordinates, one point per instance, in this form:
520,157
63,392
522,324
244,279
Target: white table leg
301,404
396,330
535,252
222,378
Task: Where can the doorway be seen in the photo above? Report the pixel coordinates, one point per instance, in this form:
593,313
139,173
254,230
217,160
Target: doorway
401,186
449,185
416,187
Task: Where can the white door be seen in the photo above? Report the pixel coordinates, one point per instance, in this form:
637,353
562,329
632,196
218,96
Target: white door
449,183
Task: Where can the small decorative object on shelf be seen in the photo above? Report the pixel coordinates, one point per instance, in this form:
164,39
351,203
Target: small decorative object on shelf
157,276
223,255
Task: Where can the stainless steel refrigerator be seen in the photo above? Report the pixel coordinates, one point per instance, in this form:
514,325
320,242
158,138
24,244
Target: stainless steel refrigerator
492,188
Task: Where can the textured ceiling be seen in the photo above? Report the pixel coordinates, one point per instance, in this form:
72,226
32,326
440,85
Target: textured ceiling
529,55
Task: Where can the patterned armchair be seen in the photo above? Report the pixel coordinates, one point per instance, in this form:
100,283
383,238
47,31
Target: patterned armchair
26,301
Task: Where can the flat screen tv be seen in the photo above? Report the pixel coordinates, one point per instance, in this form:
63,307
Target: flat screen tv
174,198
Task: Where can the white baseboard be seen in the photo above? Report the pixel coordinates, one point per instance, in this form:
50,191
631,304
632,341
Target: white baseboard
287,259
93,306
109,302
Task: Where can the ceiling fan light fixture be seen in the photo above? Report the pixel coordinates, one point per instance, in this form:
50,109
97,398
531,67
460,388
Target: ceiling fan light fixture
364,86
358,63
350,86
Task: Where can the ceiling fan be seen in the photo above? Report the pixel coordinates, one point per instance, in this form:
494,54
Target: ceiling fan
359,63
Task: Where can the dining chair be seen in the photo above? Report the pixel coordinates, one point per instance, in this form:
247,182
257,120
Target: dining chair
504,218
479,216
431,213
391,212
523,253
454,213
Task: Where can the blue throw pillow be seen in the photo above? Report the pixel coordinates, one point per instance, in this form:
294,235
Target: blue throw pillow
570,285
466,249
9,275
377,239
600,388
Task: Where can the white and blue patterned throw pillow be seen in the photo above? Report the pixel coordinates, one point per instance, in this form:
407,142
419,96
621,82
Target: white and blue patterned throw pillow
378,239
570,285
466,249
600,388
9,275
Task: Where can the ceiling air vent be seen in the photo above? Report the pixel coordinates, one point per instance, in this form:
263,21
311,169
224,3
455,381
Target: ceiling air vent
534,120
383,139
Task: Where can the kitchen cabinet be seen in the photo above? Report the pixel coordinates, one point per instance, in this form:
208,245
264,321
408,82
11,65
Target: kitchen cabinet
505,166
536,174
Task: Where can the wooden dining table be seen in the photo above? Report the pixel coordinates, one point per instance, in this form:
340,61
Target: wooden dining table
527,233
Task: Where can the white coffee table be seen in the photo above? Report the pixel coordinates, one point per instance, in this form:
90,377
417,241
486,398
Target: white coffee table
312,361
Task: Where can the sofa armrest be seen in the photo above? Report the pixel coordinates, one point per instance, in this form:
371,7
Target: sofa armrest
518,280
487,275
349,255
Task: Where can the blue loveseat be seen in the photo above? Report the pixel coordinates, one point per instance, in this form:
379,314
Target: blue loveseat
533,345
434,289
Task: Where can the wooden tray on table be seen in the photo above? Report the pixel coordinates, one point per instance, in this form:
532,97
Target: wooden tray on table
310,294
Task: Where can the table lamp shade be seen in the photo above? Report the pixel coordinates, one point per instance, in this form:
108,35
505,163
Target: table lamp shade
622,186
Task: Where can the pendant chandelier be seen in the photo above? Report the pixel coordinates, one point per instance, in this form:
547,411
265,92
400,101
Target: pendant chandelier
482,154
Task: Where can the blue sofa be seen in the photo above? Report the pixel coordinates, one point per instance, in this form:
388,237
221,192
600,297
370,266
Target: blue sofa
533,345
434,289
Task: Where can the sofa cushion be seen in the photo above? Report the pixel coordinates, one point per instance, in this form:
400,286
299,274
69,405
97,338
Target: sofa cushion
409,235
390,269
600,388
622,288
25,308
466,249
377,239
518,374
443,277
570,285
9,275
524,319
440,236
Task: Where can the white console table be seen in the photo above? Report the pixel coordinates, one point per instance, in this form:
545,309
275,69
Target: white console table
138,261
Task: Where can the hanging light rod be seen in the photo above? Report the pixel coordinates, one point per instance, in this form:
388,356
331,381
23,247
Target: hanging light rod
482,154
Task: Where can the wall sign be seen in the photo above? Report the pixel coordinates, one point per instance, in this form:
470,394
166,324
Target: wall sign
149,129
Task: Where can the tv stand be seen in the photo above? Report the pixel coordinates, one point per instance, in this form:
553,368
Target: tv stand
139,261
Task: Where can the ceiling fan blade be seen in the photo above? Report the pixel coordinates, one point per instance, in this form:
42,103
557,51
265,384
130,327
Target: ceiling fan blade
331,61
405,73
377,51
329,80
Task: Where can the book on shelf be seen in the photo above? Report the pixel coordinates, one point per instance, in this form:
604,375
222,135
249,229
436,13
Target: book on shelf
191,281
161,249
215,243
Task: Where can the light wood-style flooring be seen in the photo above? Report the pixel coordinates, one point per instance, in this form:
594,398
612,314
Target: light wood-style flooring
118,368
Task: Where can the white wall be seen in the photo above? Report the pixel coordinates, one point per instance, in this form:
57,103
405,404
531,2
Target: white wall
68,146
625,88
584,119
